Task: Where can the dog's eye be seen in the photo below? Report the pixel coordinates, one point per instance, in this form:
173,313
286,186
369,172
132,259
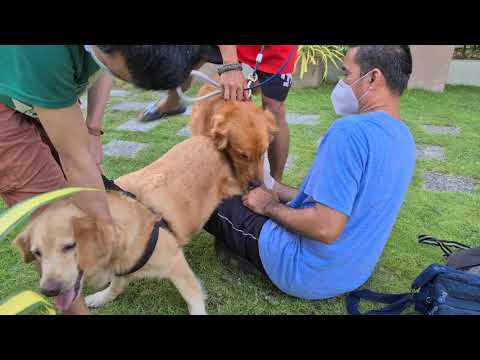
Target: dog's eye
69,247
244,157
37,253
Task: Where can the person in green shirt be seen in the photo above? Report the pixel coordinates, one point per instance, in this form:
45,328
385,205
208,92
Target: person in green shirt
45,141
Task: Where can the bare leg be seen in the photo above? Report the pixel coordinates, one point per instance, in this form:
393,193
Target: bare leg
171,102
109,294
278,149
188,285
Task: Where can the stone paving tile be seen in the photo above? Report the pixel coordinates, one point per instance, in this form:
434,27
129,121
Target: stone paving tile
430,152
135,125
123,148
448,183
130,106
303,119
434,129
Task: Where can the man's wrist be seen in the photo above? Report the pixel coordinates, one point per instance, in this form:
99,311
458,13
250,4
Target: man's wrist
94,130
271,208
229,67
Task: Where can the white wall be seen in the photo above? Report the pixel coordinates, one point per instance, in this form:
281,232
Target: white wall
464,72
430,66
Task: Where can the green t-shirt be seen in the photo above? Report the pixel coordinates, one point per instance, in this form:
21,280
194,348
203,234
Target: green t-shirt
49,76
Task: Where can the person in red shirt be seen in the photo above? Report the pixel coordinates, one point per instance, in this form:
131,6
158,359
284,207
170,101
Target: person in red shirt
276,59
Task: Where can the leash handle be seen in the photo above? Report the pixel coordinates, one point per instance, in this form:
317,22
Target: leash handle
187,100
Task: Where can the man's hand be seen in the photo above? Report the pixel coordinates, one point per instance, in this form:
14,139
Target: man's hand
259,200
285,193
233,84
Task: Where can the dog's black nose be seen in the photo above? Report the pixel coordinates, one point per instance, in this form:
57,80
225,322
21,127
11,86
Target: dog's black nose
254,184
51,288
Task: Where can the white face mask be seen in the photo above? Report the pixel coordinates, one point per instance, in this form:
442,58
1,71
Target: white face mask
344,100
89,49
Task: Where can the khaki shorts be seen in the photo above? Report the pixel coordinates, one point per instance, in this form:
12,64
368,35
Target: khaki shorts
29,164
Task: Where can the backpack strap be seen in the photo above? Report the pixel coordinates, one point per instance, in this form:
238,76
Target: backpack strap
444,245
397,303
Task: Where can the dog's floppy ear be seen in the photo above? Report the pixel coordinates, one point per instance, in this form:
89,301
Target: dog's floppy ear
271,123
219,132
94,242
22,242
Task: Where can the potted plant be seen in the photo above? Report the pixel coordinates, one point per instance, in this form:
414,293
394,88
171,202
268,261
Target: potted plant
314,62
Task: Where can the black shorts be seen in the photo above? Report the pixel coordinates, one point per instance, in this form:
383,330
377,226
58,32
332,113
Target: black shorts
238,229
276,89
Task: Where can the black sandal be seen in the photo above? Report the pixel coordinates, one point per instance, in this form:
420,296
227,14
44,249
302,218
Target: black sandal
157,115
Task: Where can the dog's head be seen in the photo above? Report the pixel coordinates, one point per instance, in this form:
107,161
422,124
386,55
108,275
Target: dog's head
65,243
244,131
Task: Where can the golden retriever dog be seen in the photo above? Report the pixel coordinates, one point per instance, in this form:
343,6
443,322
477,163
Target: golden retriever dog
183,187
238,128
70,247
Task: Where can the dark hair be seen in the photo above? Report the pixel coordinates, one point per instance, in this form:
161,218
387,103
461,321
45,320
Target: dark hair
158,67
395,62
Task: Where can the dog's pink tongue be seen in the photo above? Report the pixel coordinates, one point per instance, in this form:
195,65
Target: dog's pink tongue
65,300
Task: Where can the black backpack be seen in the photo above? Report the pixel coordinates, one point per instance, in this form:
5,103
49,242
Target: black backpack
451,289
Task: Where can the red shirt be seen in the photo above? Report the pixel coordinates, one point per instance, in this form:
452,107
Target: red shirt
274,56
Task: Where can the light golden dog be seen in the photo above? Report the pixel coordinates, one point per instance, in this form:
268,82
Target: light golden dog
184,187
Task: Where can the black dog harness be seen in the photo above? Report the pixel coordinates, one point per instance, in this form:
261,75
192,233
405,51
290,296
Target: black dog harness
152,242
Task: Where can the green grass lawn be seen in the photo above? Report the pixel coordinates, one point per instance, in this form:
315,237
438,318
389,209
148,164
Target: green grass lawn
451,216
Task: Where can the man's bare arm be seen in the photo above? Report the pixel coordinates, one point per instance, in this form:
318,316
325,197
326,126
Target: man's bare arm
318,223
229,53
68,133
98,96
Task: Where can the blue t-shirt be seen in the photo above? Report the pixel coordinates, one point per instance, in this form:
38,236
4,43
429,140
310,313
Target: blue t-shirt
363,168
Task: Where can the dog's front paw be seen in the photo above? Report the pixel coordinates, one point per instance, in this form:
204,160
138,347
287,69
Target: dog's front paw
197,310
97,300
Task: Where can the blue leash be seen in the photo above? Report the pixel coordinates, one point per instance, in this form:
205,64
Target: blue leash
279,71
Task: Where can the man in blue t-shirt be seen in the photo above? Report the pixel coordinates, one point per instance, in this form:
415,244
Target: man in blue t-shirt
325,239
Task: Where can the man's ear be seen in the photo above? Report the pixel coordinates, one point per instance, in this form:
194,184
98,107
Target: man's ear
219,132
272,124
22,242
94,242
